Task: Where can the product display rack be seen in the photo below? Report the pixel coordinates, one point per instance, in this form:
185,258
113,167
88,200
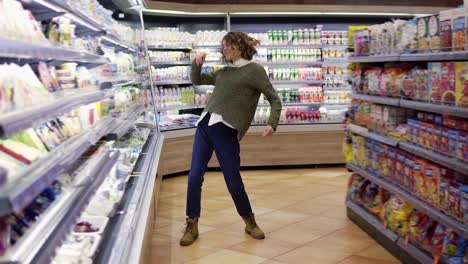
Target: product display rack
41,240
436,56
122,233
51,230
406,252
169,48
26,50
422,106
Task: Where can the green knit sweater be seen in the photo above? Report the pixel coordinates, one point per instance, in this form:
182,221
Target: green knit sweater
236,94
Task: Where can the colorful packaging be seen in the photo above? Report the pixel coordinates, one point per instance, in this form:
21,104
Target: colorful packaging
437,241
434,33
400,165
459,30
461,92
447,83
434,85
422,91
452,142
418,226
419,184
462,146
464,203
395,215
423,34
446,178
432,179
454,199
408,180
445,30
454,248
353,186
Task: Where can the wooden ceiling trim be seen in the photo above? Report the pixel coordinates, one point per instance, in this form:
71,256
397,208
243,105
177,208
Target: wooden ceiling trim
295,8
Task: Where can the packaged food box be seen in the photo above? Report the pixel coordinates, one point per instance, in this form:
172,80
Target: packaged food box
423,34
464,203
444,144
459,29
437,138
452,142
422,85
418,187
434,33
461,93
434,85
455,196
447,83
400,166
432,179
462,146
408,180
446,178
445,28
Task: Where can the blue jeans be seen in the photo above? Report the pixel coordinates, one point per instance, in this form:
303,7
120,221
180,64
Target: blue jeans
223,140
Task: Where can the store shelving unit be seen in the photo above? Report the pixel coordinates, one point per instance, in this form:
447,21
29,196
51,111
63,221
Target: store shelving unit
169,48
33,51
421,106
428,209
171,63
436,56
374,58
362,131
18,120
294,82
41,241
291,63
181,82
396,245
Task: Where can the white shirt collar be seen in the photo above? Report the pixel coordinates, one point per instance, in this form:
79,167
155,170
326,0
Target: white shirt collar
240,63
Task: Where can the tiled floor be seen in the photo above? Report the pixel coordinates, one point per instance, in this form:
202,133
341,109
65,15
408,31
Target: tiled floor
301,210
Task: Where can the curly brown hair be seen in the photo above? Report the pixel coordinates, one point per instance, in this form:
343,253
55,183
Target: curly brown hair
242,42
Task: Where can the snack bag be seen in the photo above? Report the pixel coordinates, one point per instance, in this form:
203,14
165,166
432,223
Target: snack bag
369,194
396,214
437,241
377,204
419,225
353,186
461,92
372,77
454,248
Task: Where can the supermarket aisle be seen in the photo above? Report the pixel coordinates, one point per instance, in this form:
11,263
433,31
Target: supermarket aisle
302,212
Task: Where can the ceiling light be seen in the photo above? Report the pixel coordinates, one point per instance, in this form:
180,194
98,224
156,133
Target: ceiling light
324,14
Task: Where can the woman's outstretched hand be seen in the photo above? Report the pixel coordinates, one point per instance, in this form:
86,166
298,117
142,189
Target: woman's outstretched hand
200,58
268,131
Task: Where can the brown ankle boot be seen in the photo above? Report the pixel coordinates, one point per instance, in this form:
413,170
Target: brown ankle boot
190,232
252,228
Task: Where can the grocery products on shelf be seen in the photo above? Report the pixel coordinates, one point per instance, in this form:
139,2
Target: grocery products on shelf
435,82
168,97
178,73
338,37
19,24
294,73
407,222
168,37
209,38
305,36
445,31
169,56
288,55
170,120
336,97
301,115
330,53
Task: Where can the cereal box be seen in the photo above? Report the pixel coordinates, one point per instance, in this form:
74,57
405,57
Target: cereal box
444,140
445,28
400,164
459,29
446,178
437,138
464,203
434,85
462,146
434,33
447,83
423,34
408,180
431,180
454,199
418,187
452,142
461,93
